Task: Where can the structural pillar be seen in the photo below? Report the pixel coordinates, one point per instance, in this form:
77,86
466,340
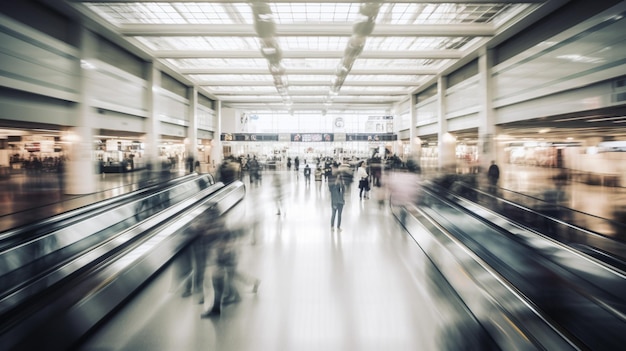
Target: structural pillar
487,129
151,142
217,154
80,167
191,143
446,141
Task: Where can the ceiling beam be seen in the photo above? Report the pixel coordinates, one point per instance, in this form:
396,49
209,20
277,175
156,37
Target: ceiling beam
309,71
308,30
234,93
328,1
416,54
270,83
308,106
314,99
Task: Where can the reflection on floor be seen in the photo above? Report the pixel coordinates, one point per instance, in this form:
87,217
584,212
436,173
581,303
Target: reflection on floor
362,288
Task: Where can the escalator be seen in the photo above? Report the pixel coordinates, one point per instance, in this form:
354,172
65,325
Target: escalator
529,290
601,238
111,250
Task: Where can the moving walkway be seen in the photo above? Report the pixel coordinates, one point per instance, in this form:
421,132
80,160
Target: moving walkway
527,289
59,284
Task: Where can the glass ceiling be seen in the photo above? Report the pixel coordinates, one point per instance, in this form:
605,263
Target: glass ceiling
366,54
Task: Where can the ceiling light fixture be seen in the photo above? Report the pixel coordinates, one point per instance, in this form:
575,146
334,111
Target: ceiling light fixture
265,28
362,27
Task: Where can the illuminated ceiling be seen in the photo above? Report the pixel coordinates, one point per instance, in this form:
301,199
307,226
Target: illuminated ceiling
319,56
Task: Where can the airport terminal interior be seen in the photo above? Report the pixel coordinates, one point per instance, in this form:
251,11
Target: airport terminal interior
312,175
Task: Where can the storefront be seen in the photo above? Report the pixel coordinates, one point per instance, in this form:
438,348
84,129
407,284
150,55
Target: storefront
119,155
275,149
41,153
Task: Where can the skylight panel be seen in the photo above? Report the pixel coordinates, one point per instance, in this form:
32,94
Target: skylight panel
301,88
396,78
232,77
310,63
403,43
243,89
199,43
310,78
346,89
173,13
203,13
290,13
147,13
393,63
218,63
320,43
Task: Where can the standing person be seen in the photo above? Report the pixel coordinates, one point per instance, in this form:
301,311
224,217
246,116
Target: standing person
254,170
328,171
362,176
189,163
337,199
493,174
318,172
296,163
307,173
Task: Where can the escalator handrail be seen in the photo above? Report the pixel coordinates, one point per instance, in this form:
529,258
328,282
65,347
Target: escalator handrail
20,231
489,298
18,256
587,278
611,252
104,284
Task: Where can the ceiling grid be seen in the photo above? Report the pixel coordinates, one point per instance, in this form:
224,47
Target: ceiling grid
281,55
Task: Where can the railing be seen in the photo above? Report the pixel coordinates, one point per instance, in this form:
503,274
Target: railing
602,238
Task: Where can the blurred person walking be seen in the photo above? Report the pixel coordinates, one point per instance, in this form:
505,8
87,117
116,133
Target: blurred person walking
194,264
362,176
493,174
255,171
229,171
403,191
278,193
215,278
337,191
222,254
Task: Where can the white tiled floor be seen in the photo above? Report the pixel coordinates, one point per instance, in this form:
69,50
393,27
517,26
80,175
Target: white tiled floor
359,289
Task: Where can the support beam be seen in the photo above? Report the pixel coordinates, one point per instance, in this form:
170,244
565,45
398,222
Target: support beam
327,1
417,54
321,71
305,30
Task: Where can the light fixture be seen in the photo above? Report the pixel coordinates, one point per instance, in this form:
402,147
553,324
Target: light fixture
265,28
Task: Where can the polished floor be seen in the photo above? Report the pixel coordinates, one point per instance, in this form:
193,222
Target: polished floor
361,288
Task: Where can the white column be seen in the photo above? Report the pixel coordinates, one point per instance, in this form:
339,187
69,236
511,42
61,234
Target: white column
413,121
487,129
217,155
152,123
446,141
415,143
81,164
191,144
